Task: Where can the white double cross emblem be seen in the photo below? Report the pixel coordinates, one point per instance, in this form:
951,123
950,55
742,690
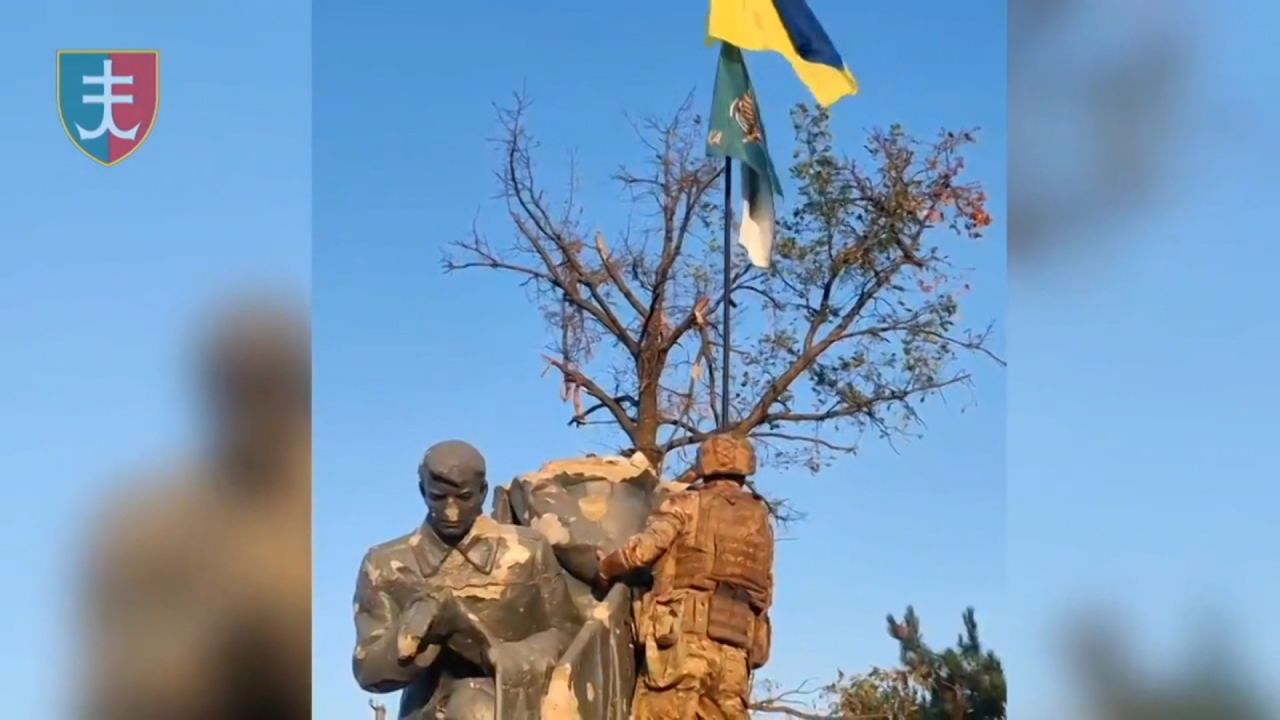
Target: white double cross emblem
108,100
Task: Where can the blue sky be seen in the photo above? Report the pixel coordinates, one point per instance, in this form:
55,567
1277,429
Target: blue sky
108,272
1141,411
406,356
1142,370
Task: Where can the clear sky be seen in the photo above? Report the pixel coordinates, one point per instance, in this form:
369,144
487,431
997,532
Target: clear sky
1142,381
406,356
107,273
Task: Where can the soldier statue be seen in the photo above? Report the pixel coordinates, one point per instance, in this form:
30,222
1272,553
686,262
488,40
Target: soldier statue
704,627
465,615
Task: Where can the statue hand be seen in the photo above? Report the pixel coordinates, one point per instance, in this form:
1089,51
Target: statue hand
516,662
446,622
415,623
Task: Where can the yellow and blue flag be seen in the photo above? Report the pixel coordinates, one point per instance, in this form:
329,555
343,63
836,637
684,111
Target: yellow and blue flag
789,28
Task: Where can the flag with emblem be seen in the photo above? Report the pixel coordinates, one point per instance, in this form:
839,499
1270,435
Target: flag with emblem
789,28
737,132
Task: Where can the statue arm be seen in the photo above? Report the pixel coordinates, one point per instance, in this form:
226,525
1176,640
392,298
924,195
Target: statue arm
376,663
562,611
531,659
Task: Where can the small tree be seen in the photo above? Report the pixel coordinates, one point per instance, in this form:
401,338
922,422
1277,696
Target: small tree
858,320
960,683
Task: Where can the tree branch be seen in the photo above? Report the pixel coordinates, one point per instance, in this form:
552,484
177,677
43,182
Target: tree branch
776,709
699,312
535,224
848,410
806,439
618,281
606,399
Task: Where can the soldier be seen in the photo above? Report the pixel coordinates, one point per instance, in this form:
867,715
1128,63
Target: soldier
705,625
465,615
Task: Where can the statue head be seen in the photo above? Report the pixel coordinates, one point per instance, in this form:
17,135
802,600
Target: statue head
452,481
257,379
726,456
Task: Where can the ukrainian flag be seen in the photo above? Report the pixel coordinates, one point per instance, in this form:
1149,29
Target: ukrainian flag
789,28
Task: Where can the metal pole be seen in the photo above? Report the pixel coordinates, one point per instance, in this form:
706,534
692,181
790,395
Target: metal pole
728,281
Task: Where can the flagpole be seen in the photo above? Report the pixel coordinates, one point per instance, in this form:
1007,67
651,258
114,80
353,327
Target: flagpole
728,281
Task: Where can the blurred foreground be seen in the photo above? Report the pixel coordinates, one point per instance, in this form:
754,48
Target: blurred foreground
199,597
1142,384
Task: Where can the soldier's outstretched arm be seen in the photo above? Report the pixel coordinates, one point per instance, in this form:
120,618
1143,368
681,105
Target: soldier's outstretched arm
659,534
376,662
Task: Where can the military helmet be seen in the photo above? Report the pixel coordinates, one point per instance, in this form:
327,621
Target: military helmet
726,455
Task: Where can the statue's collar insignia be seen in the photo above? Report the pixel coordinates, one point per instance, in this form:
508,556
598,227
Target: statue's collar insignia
431,551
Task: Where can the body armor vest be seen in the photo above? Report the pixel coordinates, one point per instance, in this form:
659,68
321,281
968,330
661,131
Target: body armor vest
730,543
726,556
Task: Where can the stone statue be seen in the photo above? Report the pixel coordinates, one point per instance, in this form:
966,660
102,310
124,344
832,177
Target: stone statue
572,510
468,616
704,626
584,506
199,603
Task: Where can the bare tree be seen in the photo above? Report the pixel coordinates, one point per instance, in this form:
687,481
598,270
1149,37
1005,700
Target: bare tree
857,320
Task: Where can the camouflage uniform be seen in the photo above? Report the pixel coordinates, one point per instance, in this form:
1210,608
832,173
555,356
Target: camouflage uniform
505,586
705,625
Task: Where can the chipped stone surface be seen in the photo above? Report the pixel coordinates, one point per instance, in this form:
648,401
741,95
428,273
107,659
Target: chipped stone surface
551,528
669,487
512,555
599,488
613,468
602,612
406,644
560,702
597,501
481,592
594,507
486,527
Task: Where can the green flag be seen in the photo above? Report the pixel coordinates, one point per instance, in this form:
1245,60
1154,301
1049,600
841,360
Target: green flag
737,131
